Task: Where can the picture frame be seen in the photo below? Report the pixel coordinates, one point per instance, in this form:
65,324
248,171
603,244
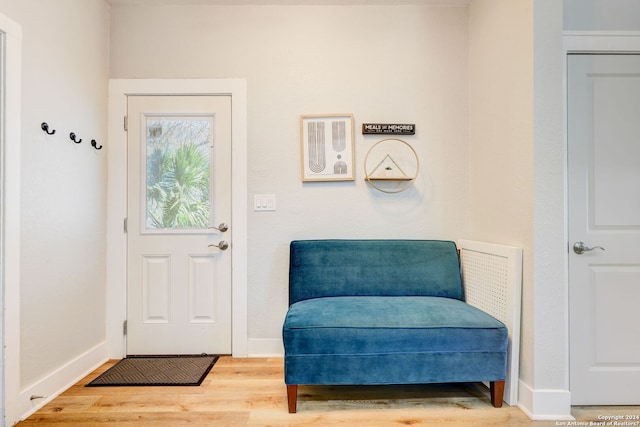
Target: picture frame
327,147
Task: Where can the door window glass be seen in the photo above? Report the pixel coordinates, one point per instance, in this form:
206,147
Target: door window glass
178,178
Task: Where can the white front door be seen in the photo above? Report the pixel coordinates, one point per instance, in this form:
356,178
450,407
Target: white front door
604,228
178,225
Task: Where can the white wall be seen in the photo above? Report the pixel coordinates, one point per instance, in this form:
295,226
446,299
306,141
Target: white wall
382,63
551,350
516,176
601,15
64,82
501,138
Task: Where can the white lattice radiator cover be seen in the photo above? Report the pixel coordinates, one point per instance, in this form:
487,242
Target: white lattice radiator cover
492,278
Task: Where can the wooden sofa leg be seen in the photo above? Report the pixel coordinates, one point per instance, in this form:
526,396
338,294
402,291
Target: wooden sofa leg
497,393
292,397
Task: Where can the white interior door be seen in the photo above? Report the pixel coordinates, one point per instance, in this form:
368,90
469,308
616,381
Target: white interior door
604,217
178,230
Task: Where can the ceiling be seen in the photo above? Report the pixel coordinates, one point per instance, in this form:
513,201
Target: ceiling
291,2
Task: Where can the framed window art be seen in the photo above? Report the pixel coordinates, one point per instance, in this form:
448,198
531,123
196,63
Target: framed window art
327,147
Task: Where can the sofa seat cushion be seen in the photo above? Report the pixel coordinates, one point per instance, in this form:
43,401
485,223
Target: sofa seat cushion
360,325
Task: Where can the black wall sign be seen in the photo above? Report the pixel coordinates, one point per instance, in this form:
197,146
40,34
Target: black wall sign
388,129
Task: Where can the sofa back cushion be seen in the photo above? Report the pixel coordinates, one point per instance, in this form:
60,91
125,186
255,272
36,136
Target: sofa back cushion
325,268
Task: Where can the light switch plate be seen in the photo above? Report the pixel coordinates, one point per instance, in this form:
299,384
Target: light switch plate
264,202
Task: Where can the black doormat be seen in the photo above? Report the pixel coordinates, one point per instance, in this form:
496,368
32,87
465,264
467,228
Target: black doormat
180,370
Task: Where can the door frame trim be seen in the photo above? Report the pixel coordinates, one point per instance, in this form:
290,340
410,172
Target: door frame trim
12,406
116,298
612,42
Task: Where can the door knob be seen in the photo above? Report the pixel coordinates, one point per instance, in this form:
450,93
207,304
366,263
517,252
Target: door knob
580,248
222,245
221,228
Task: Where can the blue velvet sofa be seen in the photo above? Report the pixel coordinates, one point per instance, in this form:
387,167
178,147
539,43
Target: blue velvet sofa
367,312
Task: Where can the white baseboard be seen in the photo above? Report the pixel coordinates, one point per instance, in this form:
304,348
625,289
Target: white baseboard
265,347
544,405
39,394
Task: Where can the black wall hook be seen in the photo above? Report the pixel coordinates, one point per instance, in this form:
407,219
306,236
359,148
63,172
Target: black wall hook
73,138
94,144
45,127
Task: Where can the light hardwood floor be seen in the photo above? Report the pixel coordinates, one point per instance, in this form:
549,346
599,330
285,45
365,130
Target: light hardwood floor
251,392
